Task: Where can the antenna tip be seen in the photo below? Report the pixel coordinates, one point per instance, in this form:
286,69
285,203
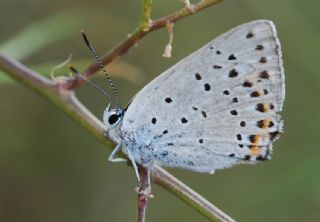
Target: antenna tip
85,38
73,69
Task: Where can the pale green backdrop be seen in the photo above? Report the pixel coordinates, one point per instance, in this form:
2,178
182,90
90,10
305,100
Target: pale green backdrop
52,170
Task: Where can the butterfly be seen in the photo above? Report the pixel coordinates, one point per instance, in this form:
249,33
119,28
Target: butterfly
216,108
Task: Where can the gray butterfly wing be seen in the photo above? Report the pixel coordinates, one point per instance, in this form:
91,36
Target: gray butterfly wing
215,108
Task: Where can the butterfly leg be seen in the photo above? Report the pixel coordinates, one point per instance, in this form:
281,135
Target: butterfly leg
148,190
113,157
135,167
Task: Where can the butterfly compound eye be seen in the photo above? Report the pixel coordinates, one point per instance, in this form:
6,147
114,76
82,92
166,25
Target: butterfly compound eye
113,119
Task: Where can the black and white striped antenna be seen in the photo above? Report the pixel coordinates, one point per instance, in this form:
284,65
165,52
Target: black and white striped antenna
93,52
75,71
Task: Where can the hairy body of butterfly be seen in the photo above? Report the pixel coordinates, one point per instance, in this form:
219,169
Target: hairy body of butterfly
214,109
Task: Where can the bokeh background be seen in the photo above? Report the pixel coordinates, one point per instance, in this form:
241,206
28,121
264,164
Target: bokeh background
52,170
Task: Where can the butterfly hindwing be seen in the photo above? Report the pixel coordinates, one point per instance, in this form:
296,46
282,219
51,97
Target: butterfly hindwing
215,108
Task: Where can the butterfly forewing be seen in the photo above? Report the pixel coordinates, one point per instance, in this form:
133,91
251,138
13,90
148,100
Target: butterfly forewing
215,108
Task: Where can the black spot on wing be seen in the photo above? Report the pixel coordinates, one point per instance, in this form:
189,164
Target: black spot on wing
232,57
263,60
264,75
184,120
204,114
249,35
198,76
233,73
247,83
234,112
259,47
168,100
207,87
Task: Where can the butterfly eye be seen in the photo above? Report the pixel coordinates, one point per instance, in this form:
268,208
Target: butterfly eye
113,119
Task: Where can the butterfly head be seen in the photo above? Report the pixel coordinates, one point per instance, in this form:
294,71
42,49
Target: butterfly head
112,117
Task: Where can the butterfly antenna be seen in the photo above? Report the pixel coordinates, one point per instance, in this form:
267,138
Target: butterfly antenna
88,81
93,52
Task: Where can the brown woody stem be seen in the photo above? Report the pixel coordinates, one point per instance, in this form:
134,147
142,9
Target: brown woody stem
135,37
143,194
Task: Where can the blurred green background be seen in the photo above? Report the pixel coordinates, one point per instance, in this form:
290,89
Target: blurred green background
52,170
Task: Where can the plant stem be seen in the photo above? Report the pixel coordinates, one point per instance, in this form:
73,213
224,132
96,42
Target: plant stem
53,92
143,196
135,37
145,18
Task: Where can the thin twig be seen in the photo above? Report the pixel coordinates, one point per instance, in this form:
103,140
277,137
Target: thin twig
145,18
66,101
143,194
138,34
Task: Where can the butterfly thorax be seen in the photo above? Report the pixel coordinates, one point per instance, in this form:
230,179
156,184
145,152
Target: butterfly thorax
113,122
